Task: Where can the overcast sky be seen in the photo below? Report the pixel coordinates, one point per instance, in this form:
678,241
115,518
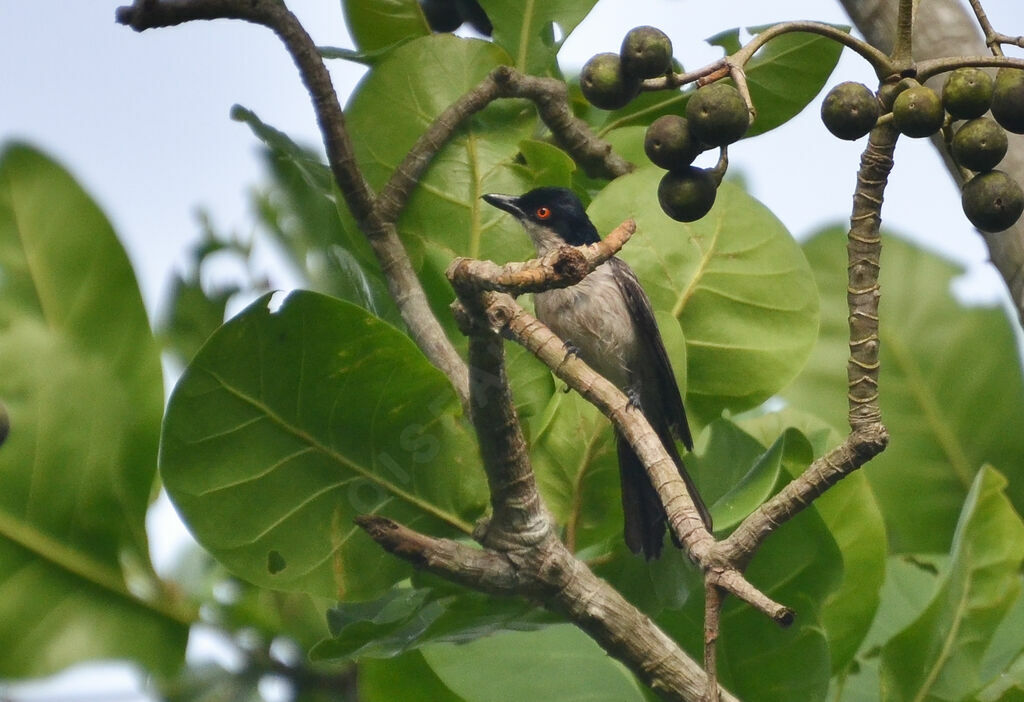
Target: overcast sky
142,119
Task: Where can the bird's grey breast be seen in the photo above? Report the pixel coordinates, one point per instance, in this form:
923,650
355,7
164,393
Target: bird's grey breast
594,317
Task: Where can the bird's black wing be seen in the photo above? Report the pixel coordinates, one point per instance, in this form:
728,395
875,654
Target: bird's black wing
669,398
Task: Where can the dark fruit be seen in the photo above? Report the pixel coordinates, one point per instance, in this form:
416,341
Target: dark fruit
979,144
717,115
967,93
850,110
917,112
646,52
442,15
669,144
1008,99
687,195
993,201
605,84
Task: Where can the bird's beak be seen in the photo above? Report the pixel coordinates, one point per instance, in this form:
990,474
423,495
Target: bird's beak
509,203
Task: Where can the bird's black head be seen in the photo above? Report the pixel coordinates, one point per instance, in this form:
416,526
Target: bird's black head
549,212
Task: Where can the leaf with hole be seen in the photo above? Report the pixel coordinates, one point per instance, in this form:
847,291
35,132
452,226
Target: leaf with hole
290,422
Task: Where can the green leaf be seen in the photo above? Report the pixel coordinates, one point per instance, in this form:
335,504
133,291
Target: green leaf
377,24
407,678
799,565
737,473
783,77
445,216
556,663
786,74
735,280
573,453
406,618
946,415
940,655
289,423
851,513
524,28
82,384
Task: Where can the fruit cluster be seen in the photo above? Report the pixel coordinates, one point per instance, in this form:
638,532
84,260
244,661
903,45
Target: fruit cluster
716,116
991,199
609,80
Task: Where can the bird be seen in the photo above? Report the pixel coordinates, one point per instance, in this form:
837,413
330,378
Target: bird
607,320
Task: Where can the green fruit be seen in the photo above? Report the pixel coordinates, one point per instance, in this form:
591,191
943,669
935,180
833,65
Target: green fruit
5,423
605,84
717,115
850,110
1008,99
993,201
967,93
646,52
688,194
669,144
917,112
979,144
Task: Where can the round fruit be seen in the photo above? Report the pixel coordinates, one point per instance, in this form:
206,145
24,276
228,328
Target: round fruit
917,112
979,144
717,115
967,93
669,144
646,52
442,15
992,201
605,84
850,110
688,194
1008,99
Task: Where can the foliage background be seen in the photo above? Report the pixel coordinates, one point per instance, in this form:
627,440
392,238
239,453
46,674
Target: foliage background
150,124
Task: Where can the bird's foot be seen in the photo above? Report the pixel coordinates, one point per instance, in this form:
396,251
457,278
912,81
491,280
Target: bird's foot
633,395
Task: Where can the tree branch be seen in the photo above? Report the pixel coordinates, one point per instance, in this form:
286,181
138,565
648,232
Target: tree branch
403,283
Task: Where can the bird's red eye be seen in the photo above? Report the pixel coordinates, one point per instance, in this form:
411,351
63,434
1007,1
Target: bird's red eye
543,212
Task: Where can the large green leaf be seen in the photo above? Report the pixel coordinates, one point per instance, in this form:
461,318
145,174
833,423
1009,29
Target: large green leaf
735,280
800,565
407,678
951,388
939,656
292,421
406,618
784,76
851,513
82,382
526,29
377,24
555,663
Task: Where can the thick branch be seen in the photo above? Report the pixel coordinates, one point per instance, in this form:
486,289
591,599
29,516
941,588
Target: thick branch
403,284
548,572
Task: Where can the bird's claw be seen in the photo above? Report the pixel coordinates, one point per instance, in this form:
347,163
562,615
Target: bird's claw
633,395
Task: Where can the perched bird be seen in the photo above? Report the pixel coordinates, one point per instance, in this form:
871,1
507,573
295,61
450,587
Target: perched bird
608,321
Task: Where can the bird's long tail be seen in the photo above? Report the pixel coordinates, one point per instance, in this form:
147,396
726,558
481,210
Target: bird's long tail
642,508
